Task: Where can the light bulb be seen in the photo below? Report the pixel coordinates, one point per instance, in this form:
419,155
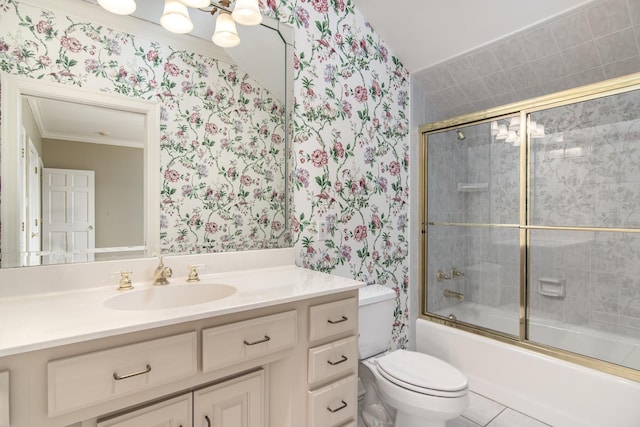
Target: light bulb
514,123
502,132
247,12
538,132
226,34
175,17
494,128
119,7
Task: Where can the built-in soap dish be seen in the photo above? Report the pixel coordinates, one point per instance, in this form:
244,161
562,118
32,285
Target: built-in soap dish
551,287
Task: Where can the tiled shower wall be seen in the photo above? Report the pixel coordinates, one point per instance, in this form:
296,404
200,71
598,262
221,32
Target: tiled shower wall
598,41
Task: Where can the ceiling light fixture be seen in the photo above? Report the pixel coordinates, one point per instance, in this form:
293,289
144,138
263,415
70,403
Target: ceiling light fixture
176,19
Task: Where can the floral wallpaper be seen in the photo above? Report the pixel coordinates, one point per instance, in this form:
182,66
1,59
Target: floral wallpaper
223,136
350,148
349,157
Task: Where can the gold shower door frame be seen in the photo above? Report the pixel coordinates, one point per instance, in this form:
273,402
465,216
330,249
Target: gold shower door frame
523,108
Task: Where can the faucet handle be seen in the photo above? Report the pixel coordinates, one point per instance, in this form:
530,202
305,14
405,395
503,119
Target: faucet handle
125,280
193,272
440,275
456,273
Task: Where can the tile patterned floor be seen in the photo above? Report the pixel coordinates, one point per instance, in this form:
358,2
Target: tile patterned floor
483,412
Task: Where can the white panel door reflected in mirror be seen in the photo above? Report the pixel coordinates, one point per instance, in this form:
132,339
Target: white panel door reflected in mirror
57,220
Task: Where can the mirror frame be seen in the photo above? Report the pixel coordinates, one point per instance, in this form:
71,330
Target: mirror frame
13,89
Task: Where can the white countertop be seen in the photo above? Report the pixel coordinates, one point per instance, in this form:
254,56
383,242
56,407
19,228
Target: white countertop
45,320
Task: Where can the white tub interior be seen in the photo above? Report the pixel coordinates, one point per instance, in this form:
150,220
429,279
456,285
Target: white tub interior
609,346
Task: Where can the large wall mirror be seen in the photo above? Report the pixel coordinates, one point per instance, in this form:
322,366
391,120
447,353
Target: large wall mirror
136,147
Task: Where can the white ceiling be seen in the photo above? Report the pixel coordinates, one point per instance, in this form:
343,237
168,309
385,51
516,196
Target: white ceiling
422,33
69,121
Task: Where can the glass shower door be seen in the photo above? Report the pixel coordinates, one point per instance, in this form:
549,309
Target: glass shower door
473,192
584,267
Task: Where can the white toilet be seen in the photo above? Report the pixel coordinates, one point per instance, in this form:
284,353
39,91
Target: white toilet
423,390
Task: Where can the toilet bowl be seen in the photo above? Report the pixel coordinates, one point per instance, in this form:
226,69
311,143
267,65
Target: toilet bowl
422,390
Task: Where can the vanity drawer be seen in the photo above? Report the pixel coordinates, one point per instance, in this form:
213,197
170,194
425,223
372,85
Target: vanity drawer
333,359
333,318
80,381
235,343
334,404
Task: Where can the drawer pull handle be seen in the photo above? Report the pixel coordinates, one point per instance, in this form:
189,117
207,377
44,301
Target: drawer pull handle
133,374
206,418
335,322
265,339
342,360
339,408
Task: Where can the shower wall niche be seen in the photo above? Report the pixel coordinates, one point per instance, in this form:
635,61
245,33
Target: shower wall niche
537,212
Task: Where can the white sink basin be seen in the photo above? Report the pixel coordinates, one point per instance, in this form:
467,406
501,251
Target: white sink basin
169,296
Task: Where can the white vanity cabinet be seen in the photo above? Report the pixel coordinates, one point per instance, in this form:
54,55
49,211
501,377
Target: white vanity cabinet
237,402
332,367
292,364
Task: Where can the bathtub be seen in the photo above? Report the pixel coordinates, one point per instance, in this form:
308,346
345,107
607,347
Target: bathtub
579,339
554,391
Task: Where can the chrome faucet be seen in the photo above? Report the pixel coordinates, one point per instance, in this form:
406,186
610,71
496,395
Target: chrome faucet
161,274
453,294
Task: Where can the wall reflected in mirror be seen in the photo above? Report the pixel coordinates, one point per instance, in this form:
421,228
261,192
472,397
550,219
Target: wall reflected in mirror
222,142
84,193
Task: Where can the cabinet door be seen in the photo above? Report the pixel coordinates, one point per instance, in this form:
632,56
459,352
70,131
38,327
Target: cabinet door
174,412
238,402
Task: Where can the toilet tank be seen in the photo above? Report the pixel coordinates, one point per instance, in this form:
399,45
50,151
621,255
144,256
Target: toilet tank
376,309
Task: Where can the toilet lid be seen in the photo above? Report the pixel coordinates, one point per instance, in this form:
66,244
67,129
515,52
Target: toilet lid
422,373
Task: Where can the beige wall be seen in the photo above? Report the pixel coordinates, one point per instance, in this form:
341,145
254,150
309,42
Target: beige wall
119,186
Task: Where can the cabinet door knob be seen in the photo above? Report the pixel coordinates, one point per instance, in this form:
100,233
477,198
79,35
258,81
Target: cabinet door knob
339,408
206,418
